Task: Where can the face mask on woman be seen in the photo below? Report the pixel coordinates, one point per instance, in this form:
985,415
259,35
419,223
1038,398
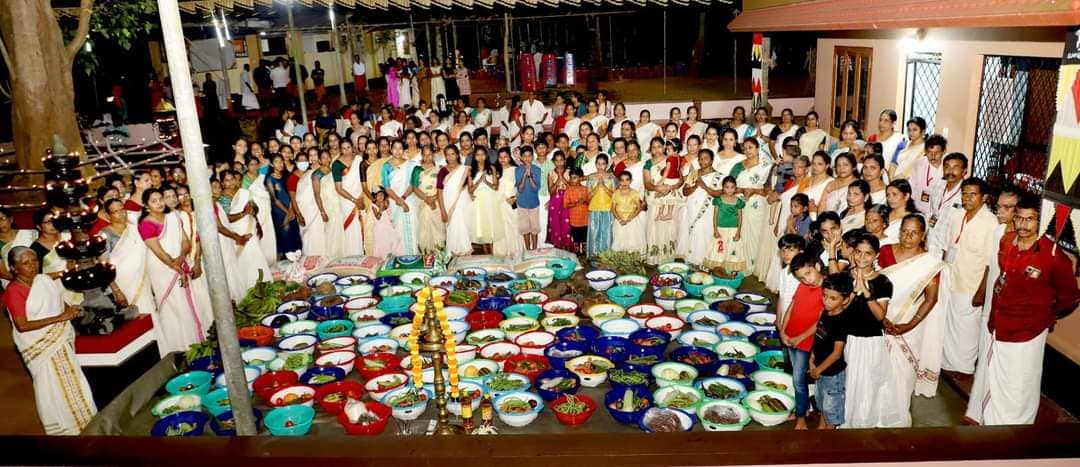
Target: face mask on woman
303,165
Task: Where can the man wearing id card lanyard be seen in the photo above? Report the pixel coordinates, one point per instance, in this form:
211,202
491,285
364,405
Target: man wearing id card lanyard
1036,287
944,202
926,171
967,254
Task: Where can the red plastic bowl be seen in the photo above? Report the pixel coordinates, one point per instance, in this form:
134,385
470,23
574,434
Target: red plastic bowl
392,364
510,365
484,319
576,419
468,306
261,335
348,388
380,410
270,382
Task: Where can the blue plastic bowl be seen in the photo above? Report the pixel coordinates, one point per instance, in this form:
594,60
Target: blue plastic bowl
324,313
709,368
222,424
635,353
560,362
580,334
629,418
192,382
624,295
645,333
493,303
689,426
198,419
746,369
337,373
614,348
762,359
323,329
208,364
396,304
380,282
734,283
624,367
759,337
300,415
736,316
397,319
556,373
217,401
523,309
564,268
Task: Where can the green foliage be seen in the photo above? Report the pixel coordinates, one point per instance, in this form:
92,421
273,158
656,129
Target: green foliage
120,22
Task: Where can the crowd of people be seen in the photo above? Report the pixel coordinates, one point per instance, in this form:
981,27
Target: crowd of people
889,264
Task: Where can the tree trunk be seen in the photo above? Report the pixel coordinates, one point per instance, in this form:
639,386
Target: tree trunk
43,97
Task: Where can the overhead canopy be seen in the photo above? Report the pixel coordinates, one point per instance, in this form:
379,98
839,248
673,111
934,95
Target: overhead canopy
825,15
193,6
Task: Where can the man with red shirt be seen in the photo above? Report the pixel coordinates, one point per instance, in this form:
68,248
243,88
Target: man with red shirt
1036,287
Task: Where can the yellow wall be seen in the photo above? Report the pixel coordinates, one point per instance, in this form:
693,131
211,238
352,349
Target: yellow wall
958,99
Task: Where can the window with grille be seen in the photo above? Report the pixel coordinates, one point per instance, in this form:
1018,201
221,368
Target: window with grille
851,85
1016,120
923,78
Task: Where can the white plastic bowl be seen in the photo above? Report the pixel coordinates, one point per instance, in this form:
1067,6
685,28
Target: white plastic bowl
358,291
523,419
605,311
752,401
299,343
250,374
560,307
601,279
481,363
278,399
589,380
746,297
774,380
485,336
499,351
372,385
361,303
366,316
460,329
731,330
258,356
681,269
697,338
667,302
534,342
411,412
409,278
344,359
542,276
666,374
401,335
715,317
553,323
687,306
446,282
717,293
465,353
669,324
529,297
506,324
744,415
725,347
643,311
372,330
377,345
456,313
303,326
466,387
622,327
300,308
763,321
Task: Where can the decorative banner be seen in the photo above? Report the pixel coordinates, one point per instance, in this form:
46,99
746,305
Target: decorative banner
1063,168
755,70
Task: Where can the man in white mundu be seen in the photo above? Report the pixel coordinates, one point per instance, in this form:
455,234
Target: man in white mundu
1036,287
967,253
944,202
46,339
244,250
1006,210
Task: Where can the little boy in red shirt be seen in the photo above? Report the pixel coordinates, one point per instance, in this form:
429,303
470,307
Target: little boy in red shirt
798,325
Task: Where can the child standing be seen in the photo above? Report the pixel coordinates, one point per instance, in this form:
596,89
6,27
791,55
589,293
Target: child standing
727,222
789,245
387,239
799,221
827,364
577,203
628,230
798,327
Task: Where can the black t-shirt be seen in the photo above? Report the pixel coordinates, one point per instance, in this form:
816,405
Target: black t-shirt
830,330
41,251
860,320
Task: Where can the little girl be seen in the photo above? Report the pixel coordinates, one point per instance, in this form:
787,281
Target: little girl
387,241
728,227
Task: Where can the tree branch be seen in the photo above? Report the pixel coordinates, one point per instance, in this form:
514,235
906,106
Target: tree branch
6,57
86,8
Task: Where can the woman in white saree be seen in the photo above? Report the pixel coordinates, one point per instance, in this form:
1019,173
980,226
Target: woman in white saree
261,197
128,255
700,188
511,244
332,231
454,204
178,322
349,187
397,178
245,253
46,339
310,206
914,322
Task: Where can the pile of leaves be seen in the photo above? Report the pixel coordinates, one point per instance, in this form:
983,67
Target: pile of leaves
264,298
202,349
622,262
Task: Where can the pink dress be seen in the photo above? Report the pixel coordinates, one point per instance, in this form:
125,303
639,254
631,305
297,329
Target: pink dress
391,86
387,241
